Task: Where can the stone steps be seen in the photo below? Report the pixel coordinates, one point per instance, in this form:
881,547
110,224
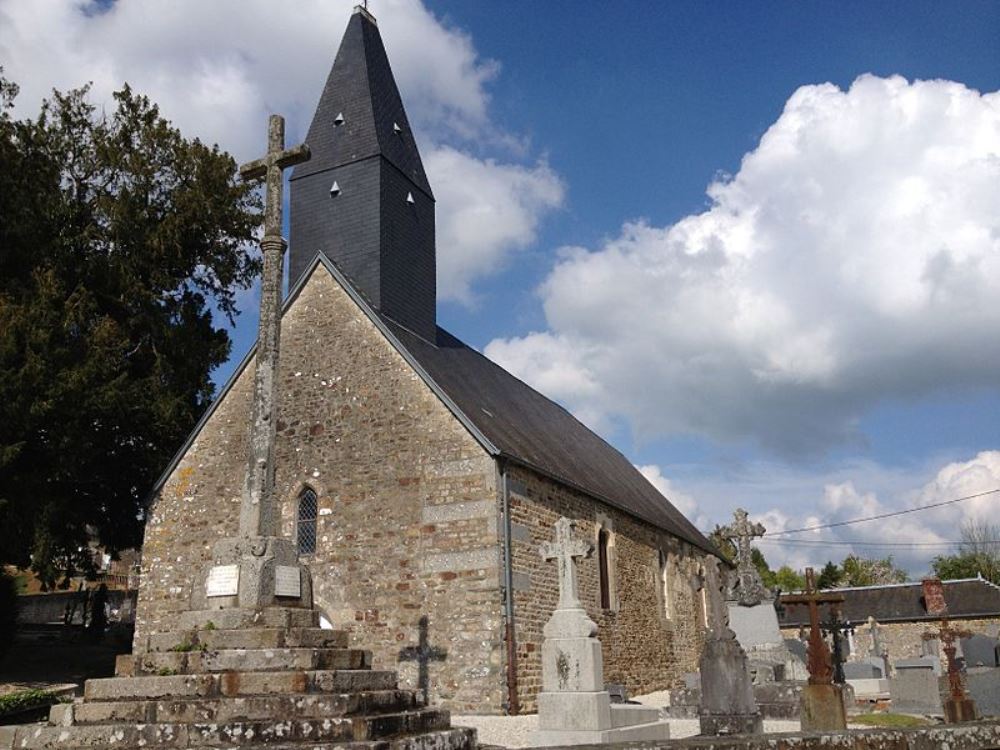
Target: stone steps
243,660
247,619
231,684
234,734
252,708
216,639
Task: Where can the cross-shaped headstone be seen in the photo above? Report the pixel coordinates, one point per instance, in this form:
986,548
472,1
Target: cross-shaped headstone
820,669
423,654
878,647
258,516
565,550
947,634
749,589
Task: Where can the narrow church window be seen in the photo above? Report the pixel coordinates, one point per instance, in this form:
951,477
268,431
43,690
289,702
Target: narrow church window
602,565
305,527
665,584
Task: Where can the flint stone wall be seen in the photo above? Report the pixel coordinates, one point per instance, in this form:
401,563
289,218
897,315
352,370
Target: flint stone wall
642,647
407,502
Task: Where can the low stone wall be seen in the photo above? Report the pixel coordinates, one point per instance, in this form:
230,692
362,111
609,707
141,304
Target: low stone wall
776,700
43,609
973,736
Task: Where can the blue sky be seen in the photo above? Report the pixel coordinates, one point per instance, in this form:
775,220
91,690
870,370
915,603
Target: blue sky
765,290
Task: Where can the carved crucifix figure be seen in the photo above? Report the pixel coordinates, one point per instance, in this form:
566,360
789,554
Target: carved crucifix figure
258,515
565,550
748,588
820,668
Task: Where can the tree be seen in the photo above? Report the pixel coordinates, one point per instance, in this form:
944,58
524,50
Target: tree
788,579
829,577
978,553
861,571
118,240
766,574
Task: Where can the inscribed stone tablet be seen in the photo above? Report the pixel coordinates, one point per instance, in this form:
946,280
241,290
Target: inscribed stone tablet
223,580
286,581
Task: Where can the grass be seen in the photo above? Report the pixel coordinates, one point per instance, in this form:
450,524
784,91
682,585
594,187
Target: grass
889,721
22,699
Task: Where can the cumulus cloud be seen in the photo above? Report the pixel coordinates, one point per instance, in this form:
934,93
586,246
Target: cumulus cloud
486,211
843,501
855,256
680,500
217,68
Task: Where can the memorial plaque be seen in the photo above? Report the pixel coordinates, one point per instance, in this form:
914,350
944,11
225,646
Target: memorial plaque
223,580
287,581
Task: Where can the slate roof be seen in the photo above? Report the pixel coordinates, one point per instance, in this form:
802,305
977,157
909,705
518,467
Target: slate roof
532,430
904,602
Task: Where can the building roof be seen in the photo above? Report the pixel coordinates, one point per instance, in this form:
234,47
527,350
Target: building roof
362,90
904,602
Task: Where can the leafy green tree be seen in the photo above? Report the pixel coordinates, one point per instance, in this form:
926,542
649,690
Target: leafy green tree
788,579
829,577
766,574
978,553
862,571
119,238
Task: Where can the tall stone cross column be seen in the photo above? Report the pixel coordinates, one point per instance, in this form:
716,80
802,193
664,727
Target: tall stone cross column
565,550
257,568
258,514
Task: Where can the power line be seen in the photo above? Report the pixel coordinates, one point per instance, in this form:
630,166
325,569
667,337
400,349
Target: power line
831,542
885,515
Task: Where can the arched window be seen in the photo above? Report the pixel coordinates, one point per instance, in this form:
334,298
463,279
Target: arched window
603,567
305,522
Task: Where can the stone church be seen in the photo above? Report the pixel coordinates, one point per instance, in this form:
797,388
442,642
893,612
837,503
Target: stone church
417,478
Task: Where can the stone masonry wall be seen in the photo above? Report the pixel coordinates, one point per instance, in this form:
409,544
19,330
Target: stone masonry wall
643,648
408,502
903,639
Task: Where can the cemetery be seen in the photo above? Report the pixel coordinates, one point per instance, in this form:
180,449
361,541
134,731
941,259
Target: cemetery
376,539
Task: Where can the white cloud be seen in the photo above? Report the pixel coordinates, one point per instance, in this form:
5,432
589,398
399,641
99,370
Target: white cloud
486,212
680,500
218,68
855,256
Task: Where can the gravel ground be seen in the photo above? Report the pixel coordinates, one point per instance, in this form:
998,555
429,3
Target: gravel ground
514,731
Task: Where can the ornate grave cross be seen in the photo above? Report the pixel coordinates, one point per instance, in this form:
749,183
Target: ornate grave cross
838,630
423,654
820,671
878,648
258,516
565,550
749,588
948,635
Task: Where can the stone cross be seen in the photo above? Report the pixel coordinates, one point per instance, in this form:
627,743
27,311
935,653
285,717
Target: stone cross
258,515
423,654
565,550
878,647
820,669
947,634
749,588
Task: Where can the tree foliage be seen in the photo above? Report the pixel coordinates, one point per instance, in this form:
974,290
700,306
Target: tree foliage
978,553
863,571
119,238
829,577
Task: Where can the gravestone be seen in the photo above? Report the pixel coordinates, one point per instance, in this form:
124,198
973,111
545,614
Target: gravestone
981,651
915,687
727,703
983,684
573,707
958,706
866,669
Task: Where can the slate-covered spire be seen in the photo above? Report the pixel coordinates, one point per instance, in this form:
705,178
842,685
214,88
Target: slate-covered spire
363,199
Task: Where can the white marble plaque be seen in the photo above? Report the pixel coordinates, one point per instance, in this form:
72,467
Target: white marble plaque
223,580
287,581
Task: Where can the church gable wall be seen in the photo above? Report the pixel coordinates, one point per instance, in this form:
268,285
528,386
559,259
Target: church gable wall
654,630
407,502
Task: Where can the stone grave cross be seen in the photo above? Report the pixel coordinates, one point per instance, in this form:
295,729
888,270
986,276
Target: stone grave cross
820,670
565,550
423,654
948,635
749,588
258,514
878,647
